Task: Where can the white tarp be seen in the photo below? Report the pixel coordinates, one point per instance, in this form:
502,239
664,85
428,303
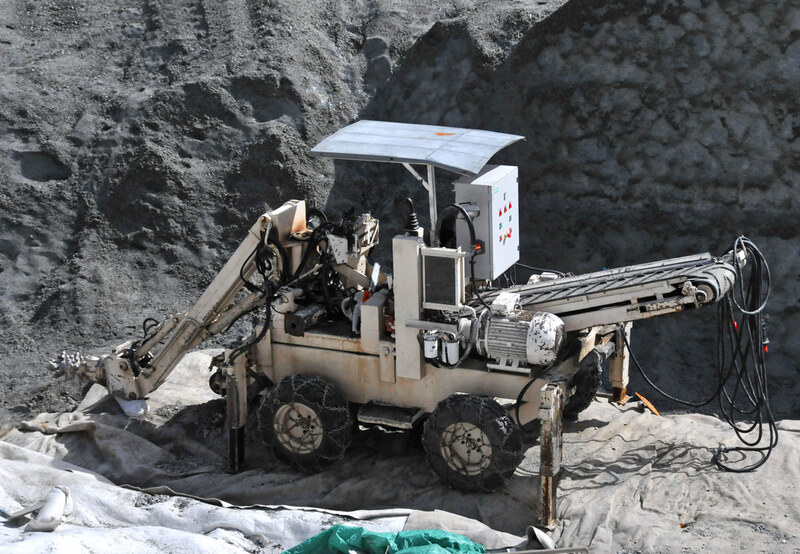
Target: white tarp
631,481
180,449
109,518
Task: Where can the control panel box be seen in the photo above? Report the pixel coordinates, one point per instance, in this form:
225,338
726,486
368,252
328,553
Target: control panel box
496,193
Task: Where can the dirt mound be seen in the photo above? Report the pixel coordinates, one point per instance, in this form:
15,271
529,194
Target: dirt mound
138,142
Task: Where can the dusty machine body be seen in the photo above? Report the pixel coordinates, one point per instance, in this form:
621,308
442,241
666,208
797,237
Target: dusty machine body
435,340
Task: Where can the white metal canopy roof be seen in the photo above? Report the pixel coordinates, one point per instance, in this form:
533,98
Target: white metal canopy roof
463,151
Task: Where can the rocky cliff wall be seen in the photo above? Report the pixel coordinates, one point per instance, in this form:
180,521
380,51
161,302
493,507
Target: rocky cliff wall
654,129
138,141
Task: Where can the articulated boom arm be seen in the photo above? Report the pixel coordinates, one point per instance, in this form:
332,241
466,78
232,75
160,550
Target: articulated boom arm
133,369
185,330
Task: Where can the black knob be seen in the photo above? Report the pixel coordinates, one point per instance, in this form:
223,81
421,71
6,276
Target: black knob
412,223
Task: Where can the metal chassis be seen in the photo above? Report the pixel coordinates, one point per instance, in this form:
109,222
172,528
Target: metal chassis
364,370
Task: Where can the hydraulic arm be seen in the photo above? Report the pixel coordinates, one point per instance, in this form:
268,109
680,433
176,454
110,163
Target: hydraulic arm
137,367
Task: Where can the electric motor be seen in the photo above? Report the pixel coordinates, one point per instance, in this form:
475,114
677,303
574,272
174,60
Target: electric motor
520,338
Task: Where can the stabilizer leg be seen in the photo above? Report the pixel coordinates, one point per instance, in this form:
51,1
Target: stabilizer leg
237,412
551,413
618,365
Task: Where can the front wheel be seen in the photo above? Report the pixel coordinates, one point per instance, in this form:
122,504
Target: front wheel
472,443
306,421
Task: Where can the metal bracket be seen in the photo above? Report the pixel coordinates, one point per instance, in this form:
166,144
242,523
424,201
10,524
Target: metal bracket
618,365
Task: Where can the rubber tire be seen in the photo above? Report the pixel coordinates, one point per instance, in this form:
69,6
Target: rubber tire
586,382
327,403
502,432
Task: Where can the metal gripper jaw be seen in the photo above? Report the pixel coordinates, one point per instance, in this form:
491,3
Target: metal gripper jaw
75,365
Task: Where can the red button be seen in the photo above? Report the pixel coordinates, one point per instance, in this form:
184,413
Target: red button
505,210
501,238
501,212
509,205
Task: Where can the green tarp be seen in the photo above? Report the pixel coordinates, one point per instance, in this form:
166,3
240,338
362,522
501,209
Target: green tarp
342,539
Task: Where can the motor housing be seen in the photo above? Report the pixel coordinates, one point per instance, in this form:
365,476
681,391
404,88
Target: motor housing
520,338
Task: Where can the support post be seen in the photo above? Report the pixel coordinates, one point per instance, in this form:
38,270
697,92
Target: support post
236,388
408,306
432,203
430,186
619,363
551,412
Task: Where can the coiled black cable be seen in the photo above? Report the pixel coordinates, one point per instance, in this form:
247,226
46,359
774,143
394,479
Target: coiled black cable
263,262
317,236
473,245
741,352
566,352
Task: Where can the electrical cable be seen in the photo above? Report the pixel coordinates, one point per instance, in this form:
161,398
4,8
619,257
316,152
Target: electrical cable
475,285
252,287
473,245
316,212
760,266
328,277
325,278
566,352
284,259
449,208
146,336
666,394
146,328
540,269
742,345
316,238
264,265
242,348
477,322
153,323
524,389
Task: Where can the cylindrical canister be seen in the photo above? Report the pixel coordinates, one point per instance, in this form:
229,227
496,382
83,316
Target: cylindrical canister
451,349
430,343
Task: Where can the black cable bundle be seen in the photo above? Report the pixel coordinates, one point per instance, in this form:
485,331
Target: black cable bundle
328,277
741,361
264,265
473,245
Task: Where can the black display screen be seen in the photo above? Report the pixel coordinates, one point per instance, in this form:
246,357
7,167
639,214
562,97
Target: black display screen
440,286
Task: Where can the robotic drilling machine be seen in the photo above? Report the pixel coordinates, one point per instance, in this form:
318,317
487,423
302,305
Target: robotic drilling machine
435,341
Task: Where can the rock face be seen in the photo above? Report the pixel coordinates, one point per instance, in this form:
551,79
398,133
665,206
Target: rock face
655,129
139,141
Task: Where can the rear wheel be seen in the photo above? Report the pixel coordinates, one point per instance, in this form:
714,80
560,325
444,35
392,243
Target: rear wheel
472,443
306,421
586,383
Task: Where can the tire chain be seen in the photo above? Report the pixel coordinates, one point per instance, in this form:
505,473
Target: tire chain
491,419
309,391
